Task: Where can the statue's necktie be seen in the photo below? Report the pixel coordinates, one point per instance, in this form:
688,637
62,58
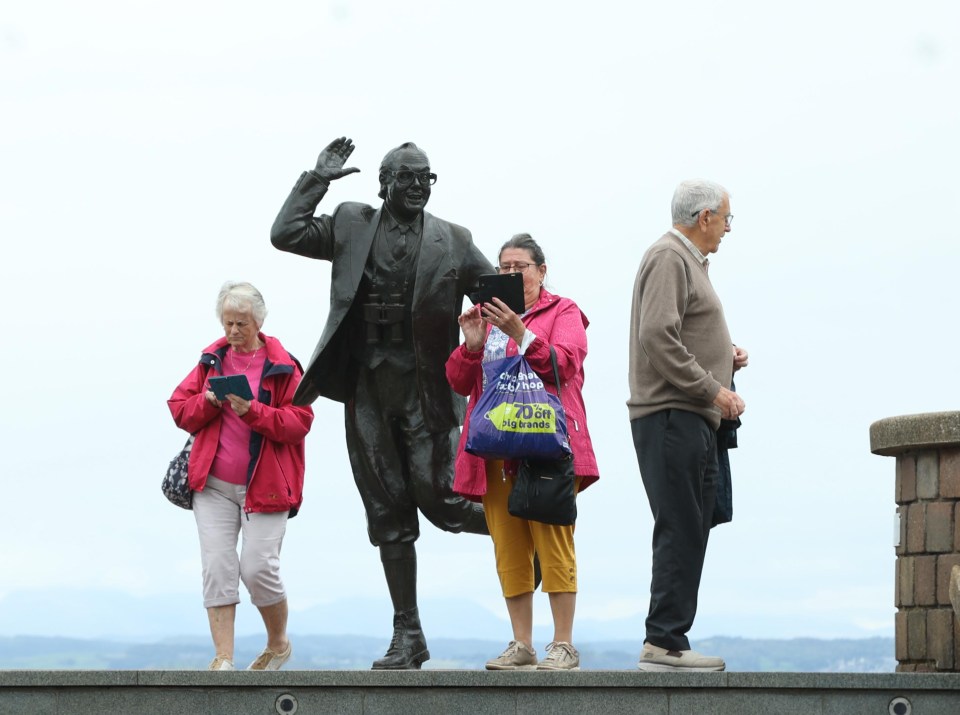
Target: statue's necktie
400,245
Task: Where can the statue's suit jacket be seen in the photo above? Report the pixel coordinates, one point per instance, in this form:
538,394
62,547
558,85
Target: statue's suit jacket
448,267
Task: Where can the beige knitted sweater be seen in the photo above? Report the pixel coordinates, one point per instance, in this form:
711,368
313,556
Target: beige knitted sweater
680,349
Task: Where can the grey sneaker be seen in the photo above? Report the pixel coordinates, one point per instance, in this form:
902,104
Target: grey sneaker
657,659
560,656
517,656
271,660
221,663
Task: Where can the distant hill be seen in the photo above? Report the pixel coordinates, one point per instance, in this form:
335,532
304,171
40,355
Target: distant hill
117,616
314,652
107,629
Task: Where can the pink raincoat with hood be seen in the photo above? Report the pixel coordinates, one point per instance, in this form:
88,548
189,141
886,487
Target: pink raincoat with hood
275,474
555,321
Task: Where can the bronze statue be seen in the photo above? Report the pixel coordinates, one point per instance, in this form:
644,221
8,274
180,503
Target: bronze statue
398,279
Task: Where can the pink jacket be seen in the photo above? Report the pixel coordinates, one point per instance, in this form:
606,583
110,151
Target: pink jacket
279,428
555,321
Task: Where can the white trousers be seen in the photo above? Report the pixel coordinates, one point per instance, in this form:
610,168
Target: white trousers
218,510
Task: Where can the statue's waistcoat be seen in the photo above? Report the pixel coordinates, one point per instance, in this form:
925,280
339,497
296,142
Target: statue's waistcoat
381,327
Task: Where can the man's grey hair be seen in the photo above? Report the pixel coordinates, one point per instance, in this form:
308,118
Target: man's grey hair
243,297
693,196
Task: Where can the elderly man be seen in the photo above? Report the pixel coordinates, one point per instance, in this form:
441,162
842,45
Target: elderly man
398,279
680,371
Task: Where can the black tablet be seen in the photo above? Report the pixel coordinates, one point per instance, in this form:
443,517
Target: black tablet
508,287
231,385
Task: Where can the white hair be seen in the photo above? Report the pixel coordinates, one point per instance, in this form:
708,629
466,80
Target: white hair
693,196
241,296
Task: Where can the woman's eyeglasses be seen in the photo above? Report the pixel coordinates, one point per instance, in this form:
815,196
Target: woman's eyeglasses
514,267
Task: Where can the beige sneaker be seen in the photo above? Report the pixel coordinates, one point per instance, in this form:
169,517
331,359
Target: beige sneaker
270,660
221,662
517,656
654,658
560,656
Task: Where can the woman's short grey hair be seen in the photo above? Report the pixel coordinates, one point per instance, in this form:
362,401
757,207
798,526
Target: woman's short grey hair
525,242
241,296
693,196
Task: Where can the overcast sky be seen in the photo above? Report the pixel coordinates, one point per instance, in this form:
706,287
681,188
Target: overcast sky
147,147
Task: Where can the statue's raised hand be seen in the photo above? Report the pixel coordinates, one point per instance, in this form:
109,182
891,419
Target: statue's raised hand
333,157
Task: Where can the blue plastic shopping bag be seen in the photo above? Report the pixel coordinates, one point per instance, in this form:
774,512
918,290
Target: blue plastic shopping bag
515,417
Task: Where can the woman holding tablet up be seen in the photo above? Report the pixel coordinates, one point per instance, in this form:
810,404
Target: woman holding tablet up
492,330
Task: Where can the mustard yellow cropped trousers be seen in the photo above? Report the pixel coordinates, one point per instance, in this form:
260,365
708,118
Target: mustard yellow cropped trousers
515,540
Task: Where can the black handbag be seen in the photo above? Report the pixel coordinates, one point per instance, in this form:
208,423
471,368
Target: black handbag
545,490
175,486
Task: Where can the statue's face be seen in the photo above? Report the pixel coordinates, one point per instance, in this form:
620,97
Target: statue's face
406,199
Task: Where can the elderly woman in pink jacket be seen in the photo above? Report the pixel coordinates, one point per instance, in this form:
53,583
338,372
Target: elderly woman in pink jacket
492,331
246,471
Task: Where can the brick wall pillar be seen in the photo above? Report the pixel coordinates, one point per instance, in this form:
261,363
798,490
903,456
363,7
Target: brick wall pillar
927,581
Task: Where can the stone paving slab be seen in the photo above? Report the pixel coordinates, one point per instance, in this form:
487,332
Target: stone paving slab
474,679
173,692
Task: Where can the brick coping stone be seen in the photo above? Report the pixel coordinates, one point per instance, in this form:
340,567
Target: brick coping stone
930,430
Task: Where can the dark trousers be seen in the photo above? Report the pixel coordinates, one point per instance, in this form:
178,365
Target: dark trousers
400,467
677,454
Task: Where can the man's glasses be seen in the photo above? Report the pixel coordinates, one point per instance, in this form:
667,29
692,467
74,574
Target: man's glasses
405,177
728,219
514,267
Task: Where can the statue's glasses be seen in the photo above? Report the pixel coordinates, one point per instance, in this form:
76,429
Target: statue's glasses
405,177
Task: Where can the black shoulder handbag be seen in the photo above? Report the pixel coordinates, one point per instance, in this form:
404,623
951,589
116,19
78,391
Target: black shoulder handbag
175,486
545,490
